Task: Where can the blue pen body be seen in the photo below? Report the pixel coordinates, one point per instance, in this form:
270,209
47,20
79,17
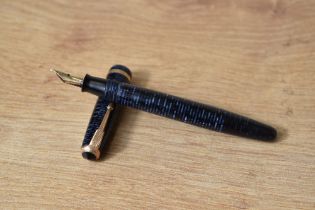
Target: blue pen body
177,108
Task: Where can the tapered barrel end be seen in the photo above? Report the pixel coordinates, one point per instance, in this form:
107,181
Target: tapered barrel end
248,128
262,132
267,133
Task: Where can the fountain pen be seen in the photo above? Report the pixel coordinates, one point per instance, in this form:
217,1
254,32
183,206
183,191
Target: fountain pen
172,107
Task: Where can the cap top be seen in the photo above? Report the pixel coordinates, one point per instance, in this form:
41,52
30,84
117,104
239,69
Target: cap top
123,68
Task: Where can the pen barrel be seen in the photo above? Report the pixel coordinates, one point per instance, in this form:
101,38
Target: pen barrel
180,109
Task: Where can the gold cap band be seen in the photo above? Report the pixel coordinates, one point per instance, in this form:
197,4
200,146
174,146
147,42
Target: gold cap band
119,71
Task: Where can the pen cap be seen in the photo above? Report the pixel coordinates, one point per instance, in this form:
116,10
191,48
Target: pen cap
104,118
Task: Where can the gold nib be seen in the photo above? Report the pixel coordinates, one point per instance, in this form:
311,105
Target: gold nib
68,79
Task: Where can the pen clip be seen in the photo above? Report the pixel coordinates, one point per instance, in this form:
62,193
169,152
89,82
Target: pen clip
94,145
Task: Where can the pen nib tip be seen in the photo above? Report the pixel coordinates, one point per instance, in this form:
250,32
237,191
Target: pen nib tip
53,70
